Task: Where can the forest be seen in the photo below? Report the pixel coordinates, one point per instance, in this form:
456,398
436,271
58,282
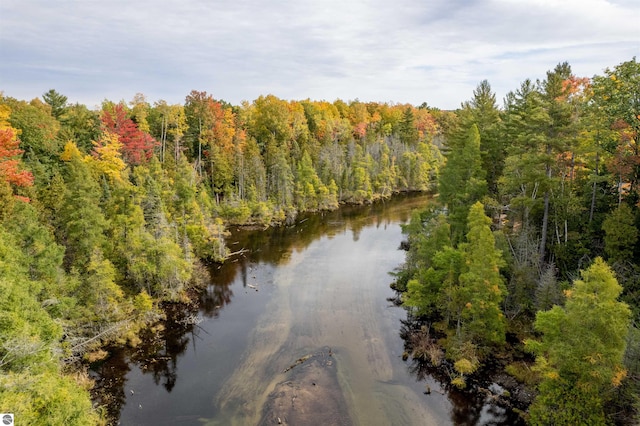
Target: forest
529,257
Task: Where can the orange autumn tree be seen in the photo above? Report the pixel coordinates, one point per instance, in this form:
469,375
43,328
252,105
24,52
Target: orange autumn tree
11,172
137,145
212,131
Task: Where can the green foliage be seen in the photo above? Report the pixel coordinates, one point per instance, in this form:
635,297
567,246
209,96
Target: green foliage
433,291
407,128
465,357
525,174
311,193
523,373
80,221
27,332
616,94
621,234
464,366
483,112
31,385
562,403
38,134
280,185
143,303
556,161
80,125
481,285
101,242
462,285
46,398
208,240
56,101
42,256
99,292
462,179
581,352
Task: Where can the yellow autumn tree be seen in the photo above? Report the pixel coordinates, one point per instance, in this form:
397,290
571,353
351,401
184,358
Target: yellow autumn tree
106,157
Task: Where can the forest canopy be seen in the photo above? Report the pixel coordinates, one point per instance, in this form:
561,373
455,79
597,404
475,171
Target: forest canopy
106,213
532,249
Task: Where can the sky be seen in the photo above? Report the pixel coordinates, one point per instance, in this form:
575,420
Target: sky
396,51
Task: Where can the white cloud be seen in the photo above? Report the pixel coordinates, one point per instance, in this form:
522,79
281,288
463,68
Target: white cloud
403,51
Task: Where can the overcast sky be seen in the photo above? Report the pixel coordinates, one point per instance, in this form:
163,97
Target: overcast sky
400,51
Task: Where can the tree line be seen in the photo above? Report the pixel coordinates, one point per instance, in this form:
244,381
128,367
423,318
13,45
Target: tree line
106,213
530,259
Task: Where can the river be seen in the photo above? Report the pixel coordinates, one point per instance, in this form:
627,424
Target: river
296,329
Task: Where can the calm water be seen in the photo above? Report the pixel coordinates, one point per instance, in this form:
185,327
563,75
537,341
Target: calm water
321,284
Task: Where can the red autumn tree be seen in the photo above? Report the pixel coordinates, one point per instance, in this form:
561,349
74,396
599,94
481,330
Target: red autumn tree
10,166
137,146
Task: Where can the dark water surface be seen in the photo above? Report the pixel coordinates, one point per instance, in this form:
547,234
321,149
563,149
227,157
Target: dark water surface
317,291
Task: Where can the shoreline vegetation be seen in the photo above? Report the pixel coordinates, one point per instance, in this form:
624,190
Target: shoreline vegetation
522,281
107,214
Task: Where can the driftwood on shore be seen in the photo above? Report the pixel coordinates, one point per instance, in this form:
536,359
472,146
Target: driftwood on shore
298,362
241,251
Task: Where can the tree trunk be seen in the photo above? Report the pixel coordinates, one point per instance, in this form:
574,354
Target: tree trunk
595,188
199,147
545,226
545,216
163,138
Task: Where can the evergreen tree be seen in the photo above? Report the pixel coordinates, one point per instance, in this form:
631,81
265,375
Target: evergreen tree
80,125
483,111
280,179
408,131
57,102
81,223
527,174
462,180
617,93
581,351
481,285
621,234
38,133
32,384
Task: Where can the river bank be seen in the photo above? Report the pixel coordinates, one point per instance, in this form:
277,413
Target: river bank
322,282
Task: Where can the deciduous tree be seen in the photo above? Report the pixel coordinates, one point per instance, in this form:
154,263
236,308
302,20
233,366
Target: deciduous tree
137,146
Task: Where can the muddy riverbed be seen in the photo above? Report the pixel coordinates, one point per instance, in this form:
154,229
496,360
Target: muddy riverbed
315,291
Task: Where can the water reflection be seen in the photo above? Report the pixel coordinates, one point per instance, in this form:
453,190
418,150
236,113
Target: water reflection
468,407
275,245
156,356
180,370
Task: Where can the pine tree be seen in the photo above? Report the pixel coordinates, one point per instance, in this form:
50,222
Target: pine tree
483,111
621,234
462,180
57,102
407,128
581,352
481,285
80,222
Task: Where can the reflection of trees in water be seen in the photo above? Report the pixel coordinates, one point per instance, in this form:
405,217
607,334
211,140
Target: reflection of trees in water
214,298
160,359
466,405
274,245
157,355
110,377
218,293
160,349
